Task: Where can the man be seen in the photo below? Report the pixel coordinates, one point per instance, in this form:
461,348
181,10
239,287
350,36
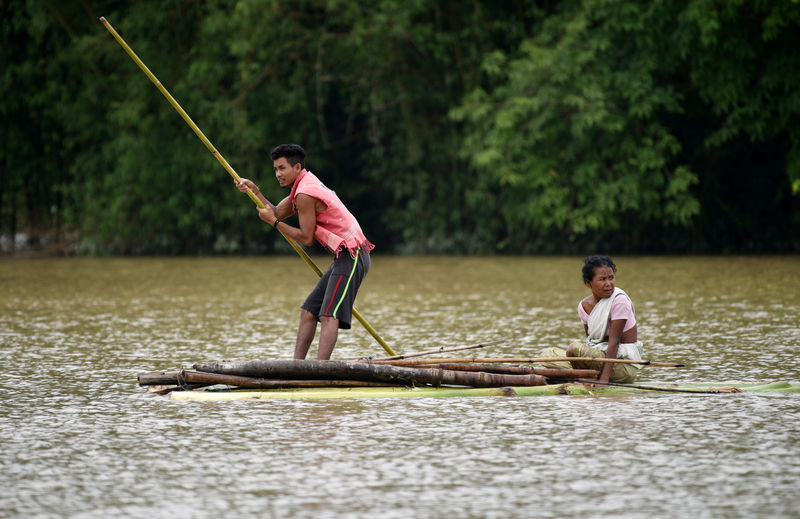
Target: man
323,216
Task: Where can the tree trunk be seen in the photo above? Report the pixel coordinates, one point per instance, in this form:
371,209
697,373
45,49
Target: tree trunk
344,370
199,377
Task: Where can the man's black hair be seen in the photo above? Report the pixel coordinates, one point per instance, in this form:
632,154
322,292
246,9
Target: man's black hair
591,263
293,154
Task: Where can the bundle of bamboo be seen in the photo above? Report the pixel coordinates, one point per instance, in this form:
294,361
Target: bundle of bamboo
275,374
395,371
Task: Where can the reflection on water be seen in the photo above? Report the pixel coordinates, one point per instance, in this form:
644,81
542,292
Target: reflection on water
79,438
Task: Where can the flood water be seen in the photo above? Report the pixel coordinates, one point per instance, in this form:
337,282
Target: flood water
80,438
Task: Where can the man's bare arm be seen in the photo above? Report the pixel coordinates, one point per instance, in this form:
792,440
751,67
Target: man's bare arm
307,216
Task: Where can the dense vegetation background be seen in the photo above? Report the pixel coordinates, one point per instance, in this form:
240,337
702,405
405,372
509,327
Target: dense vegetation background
447,126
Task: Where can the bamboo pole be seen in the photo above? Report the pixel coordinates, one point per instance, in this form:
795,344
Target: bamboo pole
159,378
710,391
525,360
439,350
229,169
555,373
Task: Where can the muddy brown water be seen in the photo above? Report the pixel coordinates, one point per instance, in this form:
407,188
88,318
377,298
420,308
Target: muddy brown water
80,439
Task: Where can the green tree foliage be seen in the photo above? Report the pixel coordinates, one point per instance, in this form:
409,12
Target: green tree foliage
34,177
446,126
591,125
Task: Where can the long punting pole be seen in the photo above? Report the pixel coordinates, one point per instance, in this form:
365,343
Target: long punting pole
440,350
229,169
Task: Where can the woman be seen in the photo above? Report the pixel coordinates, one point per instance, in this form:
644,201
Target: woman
610,325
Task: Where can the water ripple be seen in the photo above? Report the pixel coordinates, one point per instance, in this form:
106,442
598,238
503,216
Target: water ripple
80,439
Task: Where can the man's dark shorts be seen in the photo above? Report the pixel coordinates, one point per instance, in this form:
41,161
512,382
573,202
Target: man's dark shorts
336,291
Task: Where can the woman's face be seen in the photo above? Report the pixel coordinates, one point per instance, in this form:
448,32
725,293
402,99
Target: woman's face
603,283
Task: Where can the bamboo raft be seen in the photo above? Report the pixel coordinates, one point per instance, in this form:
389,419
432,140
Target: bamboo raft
403,378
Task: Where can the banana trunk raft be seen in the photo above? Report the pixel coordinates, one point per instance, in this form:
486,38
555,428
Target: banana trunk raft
419,392
312,380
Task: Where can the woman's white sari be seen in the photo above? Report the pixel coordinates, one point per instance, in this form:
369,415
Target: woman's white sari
597,328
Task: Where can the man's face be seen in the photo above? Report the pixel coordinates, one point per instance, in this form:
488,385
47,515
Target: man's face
285,172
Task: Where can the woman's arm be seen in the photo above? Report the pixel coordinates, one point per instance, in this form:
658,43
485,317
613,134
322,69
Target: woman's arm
614,338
